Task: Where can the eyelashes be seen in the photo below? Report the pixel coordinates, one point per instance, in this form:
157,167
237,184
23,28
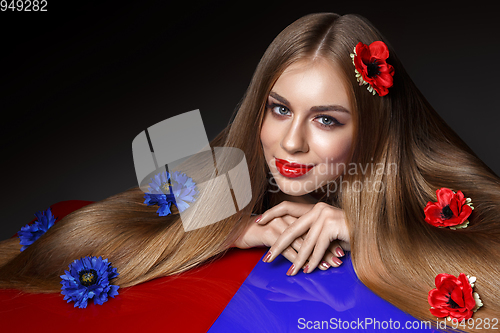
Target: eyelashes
330,121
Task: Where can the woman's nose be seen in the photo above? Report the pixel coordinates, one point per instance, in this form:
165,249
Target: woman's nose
295,139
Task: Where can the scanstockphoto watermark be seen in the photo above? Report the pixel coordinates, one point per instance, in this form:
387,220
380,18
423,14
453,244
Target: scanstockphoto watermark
362,324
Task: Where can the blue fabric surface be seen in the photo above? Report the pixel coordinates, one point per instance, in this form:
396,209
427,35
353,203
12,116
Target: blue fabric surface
335,299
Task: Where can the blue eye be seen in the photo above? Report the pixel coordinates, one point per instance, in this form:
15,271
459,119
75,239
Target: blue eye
328,121
280,109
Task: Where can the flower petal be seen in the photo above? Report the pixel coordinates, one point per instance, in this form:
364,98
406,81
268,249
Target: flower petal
445,282
444,196
469,301
439,312
457,296
437,298
379,50
433,214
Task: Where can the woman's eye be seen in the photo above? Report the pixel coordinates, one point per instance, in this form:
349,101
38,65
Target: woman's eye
327,121
279,109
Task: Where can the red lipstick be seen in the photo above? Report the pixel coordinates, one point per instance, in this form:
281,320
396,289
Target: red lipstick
291,170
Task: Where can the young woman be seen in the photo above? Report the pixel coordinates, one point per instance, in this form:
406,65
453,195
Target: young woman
369,164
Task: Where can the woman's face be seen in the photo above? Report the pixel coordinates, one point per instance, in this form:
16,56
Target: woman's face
308,121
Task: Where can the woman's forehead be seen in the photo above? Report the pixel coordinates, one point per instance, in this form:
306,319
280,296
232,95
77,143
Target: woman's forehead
315,82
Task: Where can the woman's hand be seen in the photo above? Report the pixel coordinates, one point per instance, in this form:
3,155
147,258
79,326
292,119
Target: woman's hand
259,235
322,227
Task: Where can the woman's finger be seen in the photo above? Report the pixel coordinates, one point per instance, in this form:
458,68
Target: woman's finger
336,248
320,243
345,245
290,254
314,244
331,256
290,234
284,208
284,223
274,230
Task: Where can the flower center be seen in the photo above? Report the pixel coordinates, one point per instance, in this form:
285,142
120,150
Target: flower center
446,213
373,69
165,187
88,277
452,303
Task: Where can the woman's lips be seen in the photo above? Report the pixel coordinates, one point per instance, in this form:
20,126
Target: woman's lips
291,170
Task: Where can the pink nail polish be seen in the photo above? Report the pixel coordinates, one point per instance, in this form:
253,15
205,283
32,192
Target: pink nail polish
266,258
258,218
306,269
290,270
337,261
339,252
325,264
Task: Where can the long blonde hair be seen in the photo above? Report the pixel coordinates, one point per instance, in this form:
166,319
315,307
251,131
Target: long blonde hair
394,251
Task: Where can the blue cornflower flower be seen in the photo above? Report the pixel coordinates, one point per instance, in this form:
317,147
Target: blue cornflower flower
184,190
162,200
89,278
165,190
30,233
161,183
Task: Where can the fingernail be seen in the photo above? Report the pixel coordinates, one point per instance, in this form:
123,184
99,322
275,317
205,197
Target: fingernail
258,218
337,261
325,265
290,270
339,251
266,258
306,268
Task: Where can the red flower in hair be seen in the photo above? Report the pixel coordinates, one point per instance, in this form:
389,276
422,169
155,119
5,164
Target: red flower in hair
453,297
372,68
451,210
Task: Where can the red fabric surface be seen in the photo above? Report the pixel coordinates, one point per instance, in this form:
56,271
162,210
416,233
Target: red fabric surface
188,302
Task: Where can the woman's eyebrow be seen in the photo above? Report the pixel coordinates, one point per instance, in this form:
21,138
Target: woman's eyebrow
320,108
333,107
279,98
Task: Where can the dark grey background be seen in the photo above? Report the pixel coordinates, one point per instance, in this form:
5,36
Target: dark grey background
80,81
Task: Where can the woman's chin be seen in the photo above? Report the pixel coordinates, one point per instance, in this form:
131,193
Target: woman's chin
294,189
294,194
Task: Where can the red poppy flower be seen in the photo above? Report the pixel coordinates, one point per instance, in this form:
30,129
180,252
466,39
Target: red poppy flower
451,209
372,68
453,297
